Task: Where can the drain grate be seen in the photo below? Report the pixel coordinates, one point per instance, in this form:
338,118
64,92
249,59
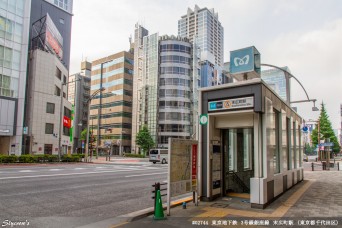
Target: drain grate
220,205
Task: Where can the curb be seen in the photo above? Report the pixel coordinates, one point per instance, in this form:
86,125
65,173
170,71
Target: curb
149,211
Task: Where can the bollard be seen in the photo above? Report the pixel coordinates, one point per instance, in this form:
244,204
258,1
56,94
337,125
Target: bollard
338,166
312,166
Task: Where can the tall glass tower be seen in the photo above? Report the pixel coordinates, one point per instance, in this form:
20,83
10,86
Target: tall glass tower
204,25
14,33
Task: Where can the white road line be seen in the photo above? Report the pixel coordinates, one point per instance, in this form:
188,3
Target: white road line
79,168
26,171
148,174
55,169
62,174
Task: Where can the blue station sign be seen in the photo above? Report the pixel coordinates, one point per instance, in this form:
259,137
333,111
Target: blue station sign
228,104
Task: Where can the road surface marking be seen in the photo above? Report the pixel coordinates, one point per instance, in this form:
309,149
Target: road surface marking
55,169
148,174
62,174
26,171
79,168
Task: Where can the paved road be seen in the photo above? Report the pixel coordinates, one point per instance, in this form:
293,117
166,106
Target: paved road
76,194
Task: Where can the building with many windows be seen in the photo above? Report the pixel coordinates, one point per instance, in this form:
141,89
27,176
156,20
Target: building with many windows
139,33
78,96
111,109
203,27
48,112
14,33
168,93
278,81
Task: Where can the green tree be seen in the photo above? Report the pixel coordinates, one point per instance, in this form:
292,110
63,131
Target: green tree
325,130
144,139
92,139
309,150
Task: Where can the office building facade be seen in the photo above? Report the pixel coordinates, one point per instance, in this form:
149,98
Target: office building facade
14,34
278,81
139,33
168,104
48,112
203,27
111,109
78,96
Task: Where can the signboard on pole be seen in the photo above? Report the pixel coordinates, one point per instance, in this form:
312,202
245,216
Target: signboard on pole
182,159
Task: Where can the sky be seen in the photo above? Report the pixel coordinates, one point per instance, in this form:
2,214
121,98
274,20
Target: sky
305,35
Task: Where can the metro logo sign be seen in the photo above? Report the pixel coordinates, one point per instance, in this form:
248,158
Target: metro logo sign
66,122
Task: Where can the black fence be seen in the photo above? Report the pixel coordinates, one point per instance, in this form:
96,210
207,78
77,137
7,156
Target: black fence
319,166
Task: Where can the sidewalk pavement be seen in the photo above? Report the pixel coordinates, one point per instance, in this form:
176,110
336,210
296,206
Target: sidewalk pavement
316,201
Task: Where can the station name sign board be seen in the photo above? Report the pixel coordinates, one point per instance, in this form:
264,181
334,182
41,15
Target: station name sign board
228,104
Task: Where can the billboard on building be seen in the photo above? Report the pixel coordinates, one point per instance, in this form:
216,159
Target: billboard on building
53,38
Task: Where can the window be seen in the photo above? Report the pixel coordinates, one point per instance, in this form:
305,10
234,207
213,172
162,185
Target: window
48,128
61,20
57,91
247,148
58,73
50,108
276,156
66,131
67,112
48,149
64,79
64,95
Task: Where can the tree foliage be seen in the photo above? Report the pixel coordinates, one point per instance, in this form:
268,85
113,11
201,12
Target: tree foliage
325,130
144,139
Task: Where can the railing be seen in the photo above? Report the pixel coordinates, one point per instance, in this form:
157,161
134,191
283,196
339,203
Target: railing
333,166
240,182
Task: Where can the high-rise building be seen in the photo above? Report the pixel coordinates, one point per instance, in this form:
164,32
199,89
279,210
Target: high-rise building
60,13
78,95
203,26
139,33
168,104
111,109
14,33
278,81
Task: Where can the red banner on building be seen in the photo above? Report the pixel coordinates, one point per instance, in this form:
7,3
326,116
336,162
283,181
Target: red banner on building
66,122
194,163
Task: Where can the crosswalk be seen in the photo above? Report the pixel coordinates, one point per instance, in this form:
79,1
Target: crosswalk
94,168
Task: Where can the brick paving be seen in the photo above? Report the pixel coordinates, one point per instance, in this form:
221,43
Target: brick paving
317,198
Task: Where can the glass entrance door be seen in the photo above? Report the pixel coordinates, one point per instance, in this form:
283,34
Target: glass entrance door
237,157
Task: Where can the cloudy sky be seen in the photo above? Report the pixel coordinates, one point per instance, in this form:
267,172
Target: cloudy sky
305,35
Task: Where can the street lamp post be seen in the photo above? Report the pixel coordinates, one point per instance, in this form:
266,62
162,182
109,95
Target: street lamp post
318,138
87,139
288,75
121,142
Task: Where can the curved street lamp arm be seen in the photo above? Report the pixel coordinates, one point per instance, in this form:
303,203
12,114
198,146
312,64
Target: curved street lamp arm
286,72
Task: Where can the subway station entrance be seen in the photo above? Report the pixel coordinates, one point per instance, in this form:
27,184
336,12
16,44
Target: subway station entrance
237,159
251,143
